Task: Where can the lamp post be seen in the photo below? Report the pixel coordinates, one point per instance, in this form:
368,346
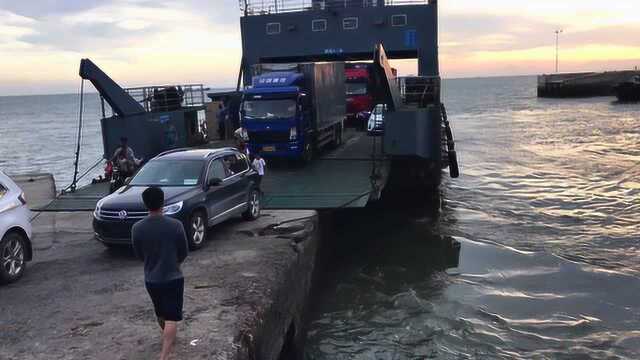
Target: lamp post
558,32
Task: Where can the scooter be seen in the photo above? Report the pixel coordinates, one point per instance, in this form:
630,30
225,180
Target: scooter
118,178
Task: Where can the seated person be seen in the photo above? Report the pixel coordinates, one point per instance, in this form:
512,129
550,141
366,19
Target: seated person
125,159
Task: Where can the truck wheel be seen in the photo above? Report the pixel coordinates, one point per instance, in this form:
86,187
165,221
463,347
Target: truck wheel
12,263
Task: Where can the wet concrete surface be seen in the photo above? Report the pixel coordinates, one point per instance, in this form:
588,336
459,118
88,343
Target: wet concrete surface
243,291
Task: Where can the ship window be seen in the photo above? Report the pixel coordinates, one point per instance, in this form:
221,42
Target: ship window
350,23
399,20
319,25
273,28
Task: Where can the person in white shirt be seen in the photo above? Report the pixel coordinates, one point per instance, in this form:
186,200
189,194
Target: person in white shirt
258,165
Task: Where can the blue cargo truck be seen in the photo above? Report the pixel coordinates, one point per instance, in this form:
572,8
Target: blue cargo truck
294,110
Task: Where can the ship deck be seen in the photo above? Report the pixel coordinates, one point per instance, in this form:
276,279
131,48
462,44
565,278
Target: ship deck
341,178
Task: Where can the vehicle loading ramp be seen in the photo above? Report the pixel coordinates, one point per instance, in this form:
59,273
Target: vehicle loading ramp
338,179
341,178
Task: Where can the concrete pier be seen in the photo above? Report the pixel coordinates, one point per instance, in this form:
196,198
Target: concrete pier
586,84
246,292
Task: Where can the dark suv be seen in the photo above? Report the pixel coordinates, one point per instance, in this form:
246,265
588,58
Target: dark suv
202,188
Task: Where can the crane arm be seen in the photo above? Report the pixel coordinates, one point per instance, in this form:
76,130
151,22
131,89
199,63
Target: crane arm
121,102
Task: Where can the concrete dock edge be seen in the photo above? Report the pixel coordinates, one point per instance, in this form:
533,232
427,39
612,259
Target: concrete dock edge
246,292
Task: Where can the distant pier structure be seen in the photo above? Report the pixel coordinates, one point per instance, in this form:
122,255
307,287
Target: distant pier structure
586,84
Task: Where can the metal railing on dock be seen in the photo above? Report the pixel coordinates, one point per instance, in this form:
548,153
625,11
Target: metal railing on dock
168,97
419,90
264,7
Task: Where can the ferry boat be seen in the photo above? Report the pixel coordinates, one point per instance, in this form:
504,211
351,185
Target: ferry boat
411,141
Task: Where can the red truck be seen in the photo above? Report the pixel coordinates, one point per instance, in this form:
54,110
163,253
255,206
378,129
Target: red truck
359,98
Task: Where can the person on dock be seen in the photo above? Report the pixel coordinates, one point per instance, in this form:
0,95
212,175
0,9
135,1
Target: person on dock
241,141
222,120
258,165
161,242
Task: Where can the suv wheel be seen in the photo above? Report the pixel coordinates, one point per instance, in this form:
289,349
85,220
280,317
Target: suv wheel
12,263
197,230
253,206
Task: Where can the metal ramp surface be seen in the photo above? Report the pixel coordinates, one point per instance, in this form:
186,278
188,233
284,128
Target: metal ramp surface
337,179
83,199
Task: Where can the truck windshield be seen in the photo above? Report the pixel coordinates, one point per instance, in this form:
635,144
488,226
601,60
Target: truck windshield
356,89
169,173
269,108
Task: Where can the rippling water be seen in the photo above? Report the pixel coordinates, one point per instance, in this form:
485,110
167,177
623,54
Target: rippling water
39,135
533,255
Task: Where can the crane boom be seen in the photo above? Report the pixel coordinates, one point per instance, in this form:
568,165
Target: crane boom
121,102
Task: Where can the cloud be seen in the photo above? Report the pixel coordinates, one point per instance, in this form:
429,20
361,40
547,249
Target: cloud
141,42
136,42
38,8
48,8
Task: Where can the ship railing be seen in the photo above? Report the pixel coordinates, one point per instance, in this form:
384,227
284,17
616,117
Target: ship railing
265,7
419,90
168,97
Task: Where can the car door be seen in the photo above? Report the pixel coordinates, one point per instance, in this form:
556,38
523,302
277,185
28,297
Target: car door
238,181
218,196
247,180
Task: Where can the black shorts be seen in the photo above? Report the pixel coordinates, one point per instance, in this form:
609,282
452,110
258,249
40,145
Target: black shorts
167,299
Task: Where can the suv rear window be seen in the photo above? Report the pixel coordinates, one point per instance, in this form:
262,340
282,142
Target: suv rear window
3,191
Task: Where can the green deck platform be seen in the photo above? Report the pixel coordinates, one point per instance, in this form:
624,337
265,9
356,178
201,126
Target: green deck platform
337,179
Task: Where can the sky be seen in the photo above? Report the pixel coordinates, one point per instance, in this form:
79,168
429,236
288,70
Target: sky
145,42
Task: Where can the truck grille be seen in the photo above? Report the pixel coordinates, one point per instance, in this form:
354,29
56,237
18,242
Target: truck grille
123,215
264,137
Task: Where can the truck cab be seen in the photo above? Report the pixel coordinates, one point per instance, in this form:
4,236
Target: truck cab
359,98
275,115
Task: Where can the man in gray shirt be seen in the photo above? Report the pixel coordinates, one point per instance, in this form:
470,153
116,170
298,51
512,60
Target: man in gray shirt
161,243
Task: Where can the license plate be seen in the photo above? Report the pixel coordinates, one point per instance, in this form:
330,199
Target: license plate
269,149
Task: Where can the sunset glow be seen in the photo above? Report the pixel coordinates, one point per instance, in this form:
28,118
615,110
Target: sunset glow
139,42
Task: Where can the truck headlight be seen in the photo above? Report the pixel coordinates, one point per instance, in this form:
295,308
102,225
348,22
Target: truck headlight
293,134
172,209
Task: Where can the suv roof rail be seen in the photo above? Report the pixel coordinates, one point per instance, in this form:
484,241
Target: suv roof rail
170,152
206,155
228,148
219,150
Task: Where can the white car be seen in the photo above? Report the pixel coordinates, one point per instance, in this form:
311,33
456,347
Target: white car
375,125
15,231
